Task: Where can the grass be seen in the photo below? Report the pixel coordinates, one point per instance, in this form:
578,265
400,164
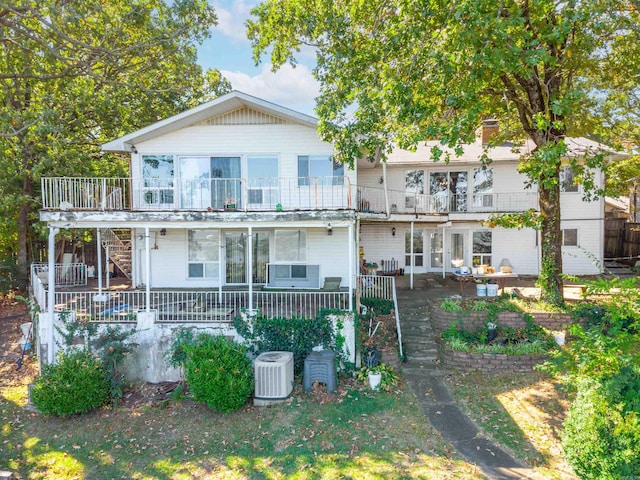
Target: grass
356,433
521,412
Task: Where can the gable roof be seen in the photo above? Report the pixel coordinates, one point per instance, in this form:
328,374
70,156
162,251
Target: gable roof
230,102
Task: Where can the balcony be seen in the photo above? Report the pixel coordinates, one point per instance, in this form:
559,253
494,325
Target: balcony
266,195
211,194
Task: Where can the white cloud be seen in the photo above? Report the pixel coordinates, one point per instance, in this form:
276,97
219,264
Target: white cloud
290,87
231,20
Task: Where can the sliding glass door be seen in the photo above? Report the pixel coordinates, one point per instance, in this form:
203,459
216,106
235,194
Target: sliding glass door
236,259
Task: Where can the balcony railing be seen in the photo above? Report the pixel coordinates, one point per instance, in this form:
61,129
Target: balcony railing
413,203
265,194
245,194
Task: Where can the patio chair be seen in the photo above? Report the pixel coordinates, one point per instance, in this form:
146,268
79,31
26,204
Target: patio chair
331,284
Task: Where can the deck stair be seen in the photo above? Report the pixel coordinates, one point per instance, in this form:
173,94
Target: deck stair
118,242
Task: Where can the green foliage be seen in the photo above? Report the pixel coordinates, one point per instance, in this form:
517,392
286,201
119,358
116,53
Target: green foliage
111,345
76,383
379,306
388,380
376,65
176,355
602,430
78,74
532,340
297,335
450,305
218,372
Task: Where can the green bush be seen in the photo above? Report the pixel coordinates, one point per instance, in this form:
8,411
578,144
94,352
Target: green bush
77,383
602,430
380,306
297,335
218,372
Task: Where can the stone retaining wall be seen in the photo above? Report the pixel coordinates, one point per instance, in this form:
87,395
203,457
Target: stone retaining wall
441,320
488,362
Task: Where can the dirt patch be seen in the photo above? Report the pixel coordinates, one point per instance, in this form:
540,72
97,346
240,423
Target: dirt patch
12,314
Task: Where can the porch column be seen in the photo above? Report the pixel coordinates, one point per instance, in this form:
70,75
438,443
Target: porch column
147,269
99,257
413,261
444,250
351,245
221,253
386,192
250,266
51,294
106,262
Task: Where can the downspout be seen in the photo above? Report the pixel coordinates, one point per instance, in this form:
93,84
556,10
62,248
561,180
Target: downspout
51,297
250,266
147,269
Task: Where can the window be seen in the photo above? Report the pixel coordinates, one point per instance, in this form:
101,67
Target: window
482,248
290,246
570,237
483,187
567,179
263,188
413,186
157,174
203,253
448,191
322,168
415,258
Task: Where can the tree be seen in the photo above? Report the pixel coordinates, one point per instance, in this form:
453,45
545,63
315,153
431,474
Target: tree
401,72
75,74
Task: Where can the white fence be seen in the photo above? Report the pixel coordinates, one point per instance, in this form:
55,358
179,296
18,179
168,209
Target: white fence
66,275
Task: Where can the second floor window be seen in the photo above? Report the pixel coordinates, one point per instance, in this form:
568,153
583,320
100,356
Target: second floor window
322,167
483,187
567,179
157,175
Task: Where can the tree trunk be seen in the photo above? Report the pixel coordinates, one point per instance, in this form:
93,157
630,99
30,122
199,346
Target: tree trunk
23,233
550,280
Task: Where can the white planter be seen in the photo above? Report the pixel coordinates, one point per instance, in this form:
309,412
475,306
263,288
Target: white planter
559,337
374,380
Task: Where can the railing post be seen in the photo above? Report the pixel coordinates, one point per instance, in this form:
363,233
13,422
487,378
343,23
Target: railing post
103,194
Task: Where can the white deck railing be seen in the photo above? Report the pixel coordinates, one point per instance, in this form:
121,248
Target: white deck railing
66,275
245,194
183,306
264,194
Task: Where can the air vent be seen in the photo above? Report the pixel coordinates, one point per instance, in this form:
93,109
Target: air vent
274,375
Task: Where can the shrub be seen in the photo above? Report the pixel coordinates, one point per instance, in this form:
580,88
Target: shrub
218,372
380,306
75,384
602,430
297,335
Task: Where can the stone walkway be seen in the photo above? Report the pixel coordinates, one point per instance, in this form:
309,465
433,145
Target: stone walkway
425,377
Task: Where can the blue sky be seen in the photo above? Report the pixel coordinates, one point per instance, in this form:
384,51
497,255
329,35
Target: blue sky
229,50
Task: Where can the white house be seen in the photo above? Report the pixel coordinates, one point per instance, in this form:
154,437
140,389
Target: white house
238,205
436,211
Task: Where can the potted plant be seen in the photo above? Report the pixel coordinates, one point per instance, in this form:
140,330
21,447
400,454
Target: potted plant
229,203
380,377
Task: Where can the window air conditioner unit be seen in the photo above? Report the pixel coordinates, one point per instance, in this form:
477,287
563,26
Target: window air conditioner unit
274,377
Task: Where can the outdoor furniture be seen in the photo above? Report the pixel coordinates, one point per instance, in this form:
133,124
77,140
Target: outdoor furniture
389,268
500,278
331,284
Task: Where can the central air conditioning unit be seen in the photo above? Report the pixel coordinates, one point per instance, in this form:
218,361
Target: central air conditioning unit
274,377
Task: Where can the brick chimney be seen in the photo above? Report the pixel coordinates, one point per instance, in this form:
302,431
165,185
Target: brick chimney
489,127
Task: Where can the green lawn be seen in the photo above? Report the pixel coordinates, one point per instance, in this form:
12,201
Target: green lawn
352,434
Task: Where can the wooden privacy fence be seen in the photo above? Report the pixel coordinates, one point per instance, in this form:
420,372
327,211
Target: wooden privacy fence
622,240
